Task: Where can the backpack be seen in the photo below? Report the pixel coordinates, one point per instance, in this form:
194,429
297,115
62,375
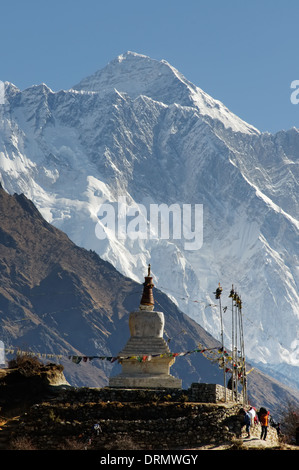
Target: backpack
262,411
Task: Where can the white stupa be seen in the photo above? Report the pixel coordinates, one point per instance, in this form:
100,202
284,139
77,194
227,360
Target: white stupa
146,358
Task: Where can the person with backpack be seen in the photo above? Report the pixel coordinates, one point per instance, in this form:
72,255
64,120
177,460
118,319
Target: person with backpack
264,420
253,416
247,420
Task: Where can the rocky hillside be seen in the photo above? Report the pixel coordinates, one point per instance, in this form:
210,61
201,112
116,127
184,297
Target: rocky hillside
26,381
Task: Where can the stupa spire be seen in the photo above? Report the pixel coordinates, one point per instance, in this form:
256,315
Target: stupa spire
147,299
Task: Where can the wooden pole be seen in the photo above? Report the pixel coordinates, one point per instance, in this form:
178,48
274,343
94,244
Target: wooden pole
218,296
234,358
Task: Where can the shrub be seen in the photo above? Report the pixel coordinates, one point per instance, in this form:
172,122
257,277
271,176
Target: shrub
27,365
30,365
22,443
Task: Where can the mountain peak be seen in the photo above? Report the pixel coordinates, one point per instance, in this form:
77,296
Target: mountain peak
131,54
137,74
132,73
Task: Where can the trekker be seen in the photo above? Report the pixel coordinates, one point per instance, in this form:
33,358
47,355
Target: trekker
264,420
247,420
252,413
278,429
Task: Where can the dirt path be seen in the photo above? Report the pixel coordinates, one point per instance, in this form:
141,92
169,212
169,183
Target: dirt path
252,443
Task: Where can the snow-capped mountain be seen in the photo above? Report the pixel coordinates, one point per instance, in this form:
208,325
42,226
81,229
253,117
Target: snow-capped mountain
138,131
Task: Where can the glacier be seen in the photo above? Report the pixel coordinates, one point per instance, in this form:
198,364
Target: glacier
138,129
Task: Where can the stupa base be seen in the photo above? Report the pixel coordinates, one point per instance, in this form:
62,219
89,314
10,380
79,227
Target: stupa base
145,381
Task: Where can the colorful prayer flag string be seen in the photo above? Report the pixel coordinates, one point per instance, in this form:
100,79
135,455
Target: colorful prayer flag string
221,358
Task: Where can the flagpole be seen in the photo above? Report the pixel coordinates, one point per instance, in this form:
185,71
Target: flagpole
235,299
234,361
242,347
218,296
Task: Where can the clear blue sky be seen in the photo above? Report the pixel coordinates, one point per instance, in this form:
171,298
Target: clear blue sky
244,53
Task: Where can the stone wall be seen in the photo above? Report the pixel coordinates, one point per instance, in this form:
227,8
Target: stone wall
198,392
147,426
142,419
212,393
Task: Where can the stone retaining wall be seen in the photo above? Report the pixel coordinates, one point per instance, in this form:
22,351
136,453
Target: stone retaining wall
212,393
198,392
148,426
146,419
